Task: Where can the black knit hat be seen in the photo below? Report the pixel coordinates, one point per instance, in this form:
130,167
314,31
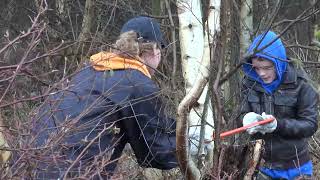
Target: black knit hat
147,28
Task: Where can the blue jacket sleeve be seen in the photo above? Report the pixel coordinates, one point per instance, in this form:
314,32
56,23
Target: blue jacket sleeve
150,132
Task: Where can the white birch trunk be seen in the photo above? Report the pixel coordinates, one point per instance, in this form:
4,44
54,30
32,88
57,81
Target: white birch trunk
195,55
246,17
191,45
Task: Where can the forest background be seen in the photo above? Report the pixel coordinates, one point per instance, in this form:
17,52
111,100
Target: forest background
43,43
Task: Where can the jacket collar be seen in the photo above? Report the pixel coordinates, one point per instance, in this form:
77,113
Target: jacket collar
104,61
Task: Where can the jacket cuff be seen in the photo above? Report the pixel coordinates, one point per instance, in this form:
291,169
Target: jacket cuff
280,126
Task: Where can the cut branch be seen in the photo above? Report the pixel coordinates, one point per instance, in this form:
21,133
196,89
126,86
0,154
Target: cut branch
187,166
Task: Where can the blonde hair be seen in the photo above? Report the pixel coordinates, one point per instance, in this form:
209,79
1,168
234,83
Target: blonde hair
129,46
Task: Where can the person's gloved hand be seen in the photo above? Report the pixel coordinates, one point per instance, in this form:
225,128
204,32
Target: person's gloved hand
249,118
252,117
270,127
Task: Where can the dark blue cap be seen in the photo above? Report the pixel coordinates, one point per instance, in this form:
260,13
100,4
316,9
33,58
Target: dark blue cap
147,28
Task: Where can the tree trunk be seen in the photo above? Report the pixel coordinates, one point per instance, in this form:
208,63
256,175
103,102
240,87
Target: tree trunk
246,21
212,27
88,22
156,7
191,38
195,65
61,8
216,71
88,26
260,9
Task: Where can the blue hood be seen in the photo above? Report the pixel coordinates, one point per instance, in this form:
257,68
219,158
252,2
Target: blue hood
275,52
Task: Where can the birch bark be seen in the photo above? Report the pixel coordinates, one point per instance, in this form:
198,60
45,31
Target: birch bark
191,45
195,53
246,13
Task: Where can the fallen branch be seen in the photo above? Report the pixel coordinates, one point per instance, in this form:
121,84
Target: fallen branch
255,160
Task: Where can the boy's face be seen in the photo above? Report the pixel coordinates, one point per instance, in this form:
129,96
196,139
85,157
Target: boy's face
265,69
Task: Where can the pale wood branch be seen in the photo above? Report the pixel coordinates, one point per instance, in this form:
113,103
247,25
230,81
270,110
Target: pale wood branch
187,166
255,160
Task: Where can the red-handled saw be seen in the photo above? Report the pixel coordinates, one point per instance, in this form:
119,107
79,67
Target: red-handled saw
243,128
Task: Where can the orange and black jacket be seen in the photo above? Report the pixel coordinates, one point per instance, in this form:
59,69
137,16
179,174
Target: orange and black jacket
116,97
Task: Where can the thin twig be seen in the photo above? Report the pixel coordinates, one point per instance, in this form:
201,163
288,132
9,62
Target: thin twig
84,150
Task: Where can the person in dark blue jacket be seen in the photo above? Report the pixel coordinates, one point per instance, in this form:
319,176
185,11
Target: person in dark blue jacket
106,105
274,87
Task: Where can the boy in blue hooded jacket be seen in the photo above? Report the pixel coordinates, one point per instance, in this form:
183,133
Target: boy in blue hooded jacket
274,88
